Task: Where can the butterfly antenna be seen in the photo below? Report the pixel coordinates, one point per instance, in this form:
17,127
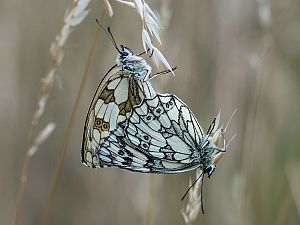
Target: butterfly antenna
187,191
211,126
201,195
152,52
201,190
109,34
144,52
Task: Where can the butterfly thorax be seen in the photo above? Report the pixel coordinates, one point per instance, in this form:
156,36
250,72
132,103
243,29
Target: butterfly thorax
135,65
206,152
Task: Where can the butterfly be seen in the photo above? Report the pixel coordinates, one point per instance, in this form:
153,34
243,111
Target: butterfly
162,135
124,86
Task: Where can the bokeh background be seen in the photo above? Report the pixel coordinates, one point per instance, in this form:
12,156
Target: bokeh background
230,54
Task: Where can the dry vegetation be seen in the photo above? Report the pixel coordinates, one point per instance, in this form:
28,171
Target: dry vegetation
230,55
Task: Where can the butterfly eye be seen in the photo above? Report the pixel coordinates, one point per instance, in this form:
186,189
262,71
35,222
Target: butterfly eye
209,170
124,53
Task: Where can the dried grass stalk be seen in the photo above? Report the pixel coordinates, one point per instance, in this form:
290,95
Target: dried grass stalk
192,209
69,129
292,173
74,16
150,30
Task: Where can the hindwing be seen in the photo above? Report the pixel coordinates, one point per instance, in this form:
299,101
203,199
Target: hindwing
160,135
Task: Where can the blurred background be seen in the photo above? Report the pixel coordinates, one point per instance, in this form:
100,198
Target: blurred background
230,54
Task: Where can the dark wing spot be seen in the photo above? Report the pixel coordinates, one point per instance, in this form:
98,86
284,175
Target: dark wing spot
133,98
107,96
169,156
105,126
127,161
145,145
121,152
98,123
129,153
148,118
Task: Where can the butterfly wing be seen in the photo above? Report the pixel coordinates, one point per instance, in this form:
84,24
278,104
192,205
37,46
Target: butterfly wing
112,103
160,136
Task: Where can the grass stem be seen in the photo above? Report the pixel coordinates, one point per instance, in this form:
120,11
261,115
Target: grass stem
70,125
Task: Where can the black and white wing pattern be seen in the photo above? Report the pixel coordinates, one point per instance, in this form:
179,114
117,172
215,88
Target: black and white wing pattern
161,135
122,88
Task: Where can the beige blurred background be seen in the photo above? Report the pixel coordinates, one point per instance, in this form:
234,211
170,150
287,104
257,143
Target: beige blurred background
230,54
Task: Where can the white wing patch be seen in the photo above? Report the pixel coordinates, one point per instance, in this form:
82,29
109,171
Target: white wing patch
122,95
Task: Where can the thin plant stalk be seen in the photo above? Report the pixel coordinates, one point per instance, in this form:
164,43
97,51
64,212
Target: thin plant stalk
60,160
56,58
152,189
26,160
21,186
266,23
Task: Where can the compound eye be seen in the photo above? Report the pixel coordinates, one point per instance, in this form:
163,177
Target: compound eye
209,170
124,53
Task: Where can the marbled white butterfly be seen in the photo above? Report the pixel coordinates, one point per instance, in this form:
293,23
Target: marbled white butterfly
123,87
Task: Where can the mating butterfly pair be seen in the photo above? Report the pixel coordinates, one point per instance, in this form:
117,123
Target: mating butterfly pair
130,126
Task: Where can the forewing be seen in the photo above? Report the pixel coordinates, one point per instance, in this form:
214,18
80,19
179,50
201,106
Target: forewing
113,101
